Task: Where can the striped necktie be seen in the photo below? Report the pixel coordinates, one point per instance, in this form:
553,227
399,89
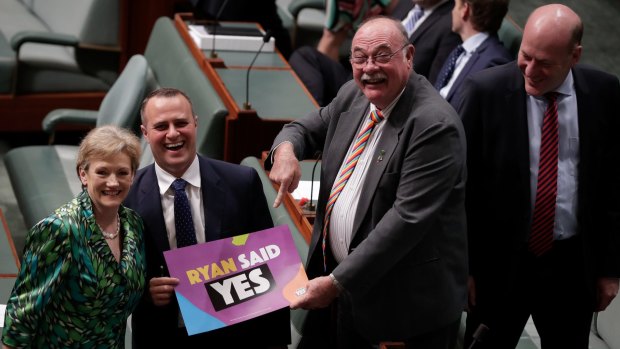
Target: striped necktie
345,173
415,16
541,235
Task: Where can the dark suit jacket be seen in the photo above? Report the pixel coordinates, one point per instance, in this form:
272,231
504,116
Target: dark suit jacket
234,203
499,208
406,269
433,39
490,53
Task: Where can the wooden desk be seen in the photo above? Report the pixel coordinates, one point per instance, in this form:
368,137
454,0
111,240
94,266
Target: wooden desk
276,94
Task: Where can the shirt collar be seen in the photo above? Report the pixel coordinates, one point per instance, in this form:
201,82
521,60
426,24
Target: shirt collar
471,44
165,179
388,110
565,89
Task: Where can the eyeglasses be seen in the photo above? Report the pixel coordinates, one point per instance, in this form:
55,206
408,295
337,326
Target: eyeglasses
382,58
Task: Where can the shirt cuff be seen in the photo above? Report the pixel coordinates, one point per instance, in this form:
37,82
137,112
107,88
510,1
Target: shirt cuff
336,283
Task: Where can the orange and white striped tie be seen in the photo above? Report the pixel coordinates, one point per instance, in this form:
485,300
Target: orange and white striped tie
341,181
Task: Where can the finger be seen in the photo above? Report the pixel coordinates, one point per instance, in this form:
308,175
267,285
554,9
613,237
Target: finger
281,192
164,281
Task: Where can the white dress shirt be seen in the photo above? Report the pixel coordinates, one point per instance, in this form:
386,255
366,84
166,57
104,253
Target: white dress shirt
568,155
343,214
470,46
194,195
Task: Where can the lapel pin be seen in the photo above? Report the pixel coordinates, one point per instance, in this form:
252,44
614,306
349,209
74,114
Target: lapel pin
380,157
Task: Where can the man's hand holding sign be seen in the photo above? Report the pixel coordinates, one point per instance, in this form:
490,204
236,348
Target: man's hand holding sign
228,281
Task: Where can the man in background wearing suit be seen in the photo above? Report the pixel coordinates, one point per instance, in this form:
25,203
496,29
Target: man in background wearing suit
389,236
428,25
476,22
542,191
224,199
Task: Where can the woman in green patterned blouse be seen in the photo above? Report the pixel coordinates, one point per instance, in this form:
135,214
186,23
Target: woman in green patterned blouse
83,267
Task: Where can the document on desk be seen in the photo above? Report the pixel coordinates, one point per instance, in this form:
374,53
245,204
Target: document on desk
232,280
229,38
305,189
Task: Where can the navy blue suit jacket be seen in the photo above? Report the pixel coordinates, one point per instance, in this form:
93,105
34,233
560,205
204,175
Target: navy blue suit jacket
489,54
498,199
234,204
433,39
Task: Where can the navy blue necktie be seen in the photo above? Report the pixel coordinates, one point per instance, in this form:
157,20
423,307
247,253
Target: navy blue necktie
448,68
183,223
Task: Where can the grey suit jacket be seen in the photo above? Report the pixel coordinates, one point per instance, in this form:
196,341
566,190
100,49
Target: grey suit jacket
406,272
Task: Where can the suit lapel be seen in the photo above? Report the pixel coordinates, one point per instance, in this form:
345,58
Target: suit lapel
213,200
517,123
153,216
468,67
428,22
383,153
348,124
584,106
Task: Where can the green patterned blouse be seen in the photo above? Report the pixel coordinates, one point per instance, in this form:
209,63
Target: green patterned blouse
71,292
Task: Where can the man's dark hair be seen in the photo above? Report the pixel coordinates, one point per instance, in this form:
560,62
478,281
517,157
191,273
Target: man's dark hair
487,15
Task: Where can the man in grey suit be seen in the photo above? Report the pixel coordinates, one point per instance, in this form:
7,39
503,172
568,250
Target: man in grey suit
390,243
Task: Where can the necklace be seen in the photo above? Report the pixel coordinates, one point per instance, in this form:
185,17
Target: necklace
110,236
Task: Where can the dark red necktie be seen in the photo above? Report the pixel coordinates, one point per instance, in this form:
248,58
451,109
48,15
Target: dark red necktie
541,235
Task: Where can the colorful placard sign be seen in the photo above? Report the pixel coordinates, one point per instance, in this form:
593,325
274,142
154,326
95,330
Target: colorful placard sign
231,280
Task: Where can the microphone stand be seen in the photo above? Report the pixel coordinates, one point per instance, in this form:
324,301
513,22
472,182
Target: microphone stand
310,206
246,104
478,335
215,24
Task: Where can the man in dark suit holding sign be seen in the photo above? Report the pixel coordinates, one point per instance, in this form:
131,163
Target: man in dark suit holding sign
220,200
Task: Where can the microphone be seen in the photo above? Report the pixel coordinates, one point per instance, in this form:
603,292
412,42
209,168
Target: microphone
216,21
246,104
478,335
310,206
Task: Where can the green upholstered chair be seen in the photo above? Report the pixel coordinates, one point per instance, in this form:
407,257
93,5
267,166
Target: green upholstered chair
59,45
280,216
44,177
510,35
308,19
119,107
605,324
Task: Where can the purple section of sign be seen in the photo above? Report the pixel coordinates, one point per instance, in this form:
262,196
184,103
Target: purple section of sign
231,271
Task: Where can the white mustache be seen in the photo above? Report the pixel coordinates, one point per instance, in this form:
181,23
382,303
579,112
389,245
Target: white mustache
375,76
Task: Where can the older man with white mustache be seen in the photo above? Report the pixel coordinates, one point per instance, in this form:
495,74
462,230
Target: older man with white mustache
388,250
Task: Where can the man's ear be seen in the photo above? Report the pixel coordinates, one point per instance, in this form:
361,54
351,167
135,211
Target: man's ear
143,129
